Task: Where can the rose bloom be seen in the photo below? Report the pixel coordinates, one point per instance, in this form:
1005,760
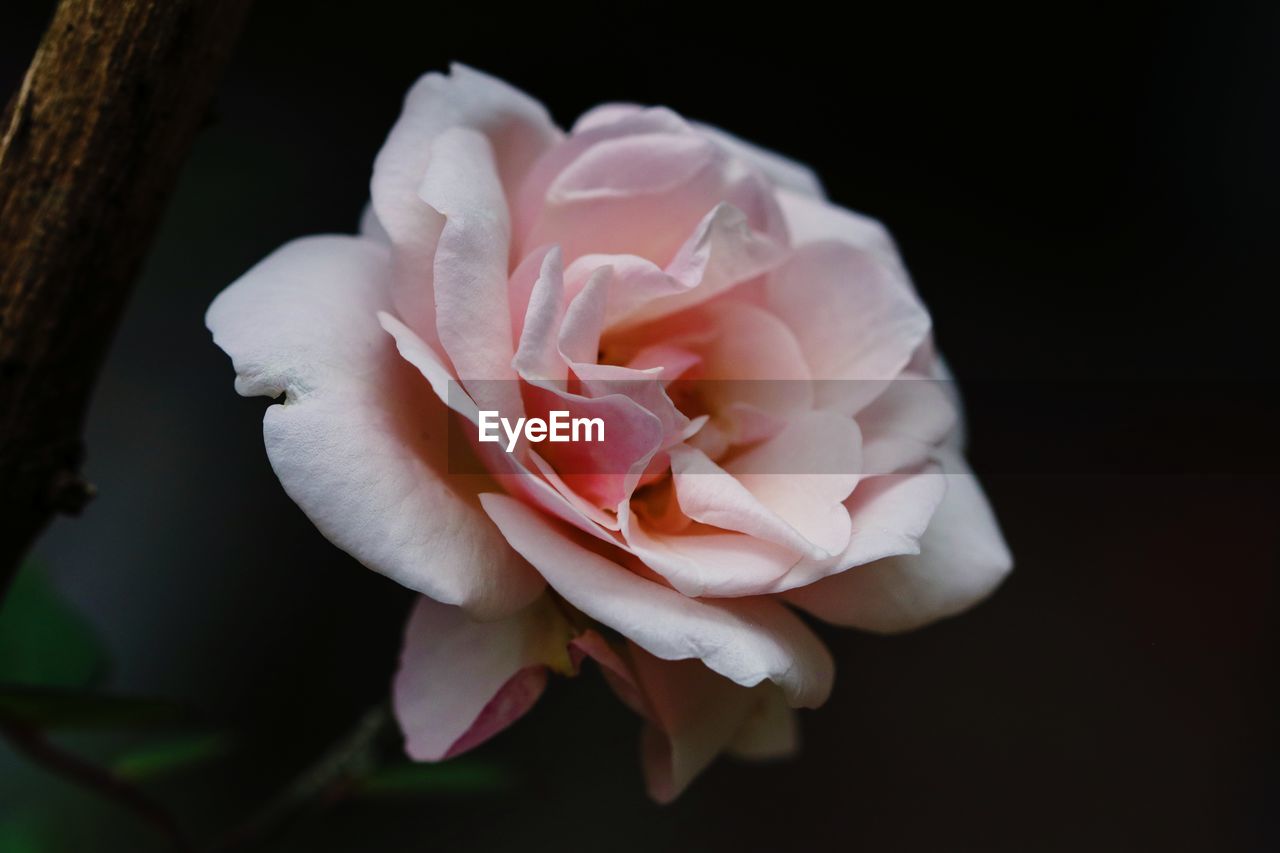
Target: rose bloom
506,265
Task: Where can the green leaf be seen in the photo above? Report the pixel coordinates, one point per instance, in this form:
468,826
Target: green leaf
170,756
18,837
56,708
450,777
42,639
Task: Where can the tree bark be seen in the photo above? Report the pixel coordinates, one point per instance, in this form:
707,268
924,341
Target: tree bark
90,148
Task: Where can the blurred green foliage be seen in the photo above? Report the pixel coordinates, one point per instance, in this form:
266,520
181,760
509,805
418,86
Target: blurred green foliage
171,755
459,776
42,640
69,709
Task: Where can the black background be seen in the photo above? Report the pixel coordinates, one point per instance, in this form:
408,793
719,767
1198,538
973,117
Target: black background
1082,192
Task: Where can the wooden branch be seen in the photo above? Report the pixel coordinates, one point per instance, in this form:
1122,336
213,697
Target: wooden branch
90,148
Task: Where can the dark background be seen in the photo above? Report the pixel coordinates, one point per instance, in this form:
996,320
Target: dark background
1082,192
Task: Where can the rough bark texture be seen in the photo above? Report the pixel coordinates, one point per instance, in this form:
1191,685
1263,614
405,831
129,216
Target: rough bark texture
90,147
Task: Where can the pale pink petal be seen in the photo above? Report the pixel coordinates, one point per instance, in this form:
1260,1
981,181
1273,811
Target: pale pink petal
614,658
750,174
673,360
701,560
812,219
462,681
696,714
962,559
579,341
710,495
431,365
888,515
754,375
782,172
516,126
638,186
617,119
538,357
804,473
857,319
746,640
627,121
691,713
905,423
637,195
473,316
355,442
520,288
722,252
621,161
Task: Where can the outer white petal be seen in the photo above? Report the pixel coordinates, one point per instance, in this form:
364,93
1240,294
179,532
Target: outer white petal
962,559
812,219
358,442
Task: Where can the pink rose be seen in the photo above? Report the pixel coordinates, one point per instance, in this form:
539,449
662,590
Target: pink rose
505,265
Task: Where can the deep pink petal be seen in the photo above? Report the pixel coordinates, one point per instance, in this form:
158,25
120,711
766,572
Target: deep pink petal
461,681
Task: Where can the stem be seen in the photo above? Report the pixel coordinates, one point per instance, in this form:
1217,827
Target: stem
325,782
31,742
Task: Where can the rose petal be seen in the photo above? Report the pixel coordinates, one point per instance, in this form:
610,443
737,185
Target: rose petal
904,424
962,559
723,251
461,681
691,714
507,469
856,318
696,714
357,442
700,560
473,316
781,171
538,357
812,219
745,640
517,127
888,515
711,495
804,473
632,121
637,186
754,377
631,195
